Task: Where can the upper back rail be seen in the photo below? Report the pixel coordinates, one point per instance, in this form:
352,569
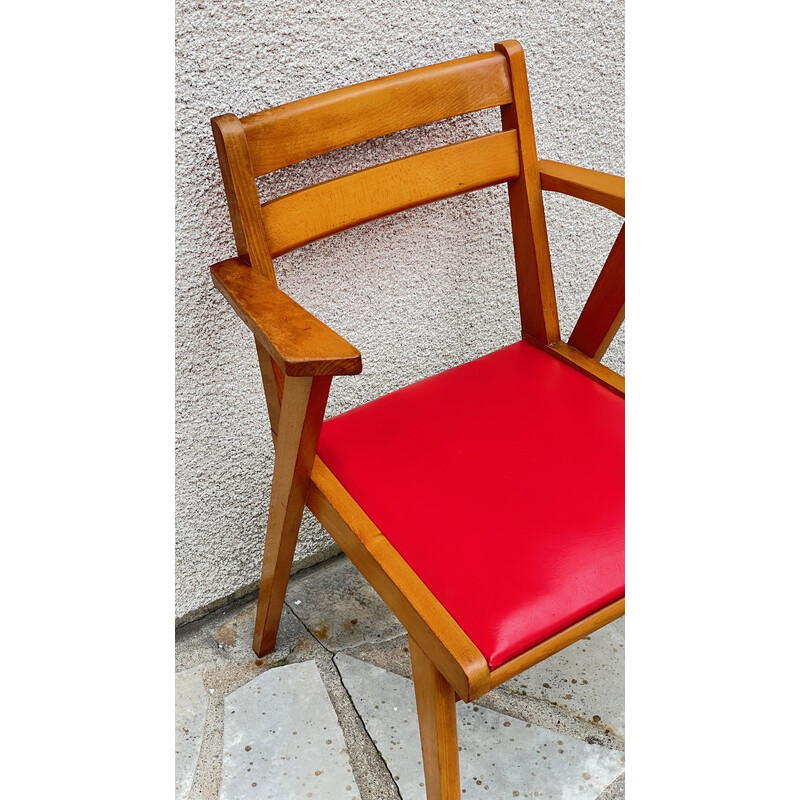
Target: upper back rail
296,131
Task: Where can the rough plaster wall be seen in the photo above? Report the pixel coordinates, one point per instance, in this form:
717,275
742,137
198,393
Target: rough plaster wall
417,292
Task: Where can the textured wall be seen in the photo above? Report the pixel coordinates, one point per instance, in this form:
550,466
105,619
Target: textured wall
417,292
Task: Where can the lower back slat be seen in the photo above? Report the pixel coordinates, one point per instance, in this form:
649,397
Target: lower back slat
301,217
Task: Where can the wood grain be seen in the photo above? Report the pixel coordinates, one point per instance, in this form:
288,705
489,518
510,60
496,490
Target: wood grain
242,195
422,615
604,310
596,187
537,297
301,419
315,125
267,367
438,732
301,217
563,639
580,361
298,354
300,344
610,334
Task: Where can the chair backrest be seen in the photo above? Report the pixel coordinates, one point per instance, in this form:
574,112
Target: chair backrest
269,140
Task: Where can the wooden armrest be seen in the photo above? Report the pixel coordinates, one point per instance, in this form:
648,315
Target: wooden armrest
300,344
587,184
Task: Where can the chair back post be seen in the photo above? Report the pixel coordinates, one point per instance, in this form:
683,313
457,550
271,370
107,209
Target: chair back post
242,194
249,232
537,297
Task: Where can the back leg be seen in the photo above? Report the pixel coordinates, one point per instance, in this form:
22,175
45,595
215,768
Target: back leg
436,709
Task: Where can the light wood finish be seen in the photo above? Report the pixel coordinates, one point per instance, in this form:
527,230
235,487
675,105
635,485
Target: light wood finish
537,297
599,188
610,334
297,353
301,419
240,189
605,309
565,638
269,368
588,366
445,643
436,710
298,342
301,217
398,585
309,127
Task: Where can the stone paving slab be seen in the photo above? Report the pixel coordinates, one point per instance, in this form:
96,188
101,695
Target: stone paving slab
586,678
282,740
393,656
501,756
191,704
339,607
334,594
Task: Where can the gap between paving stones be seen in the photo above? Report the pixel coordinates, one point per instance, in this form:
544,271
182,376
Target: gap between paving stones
328,597
221,641
229,665
332,653
283,739
539,711
526,708
497,751
233,664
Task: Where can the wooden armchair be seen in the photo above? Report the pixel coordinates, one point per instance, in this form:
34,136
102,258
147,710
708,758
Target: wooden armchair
493,553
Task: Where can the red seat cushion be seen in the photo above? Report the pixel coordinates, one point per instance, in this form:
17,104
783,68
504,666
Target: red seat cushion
501,483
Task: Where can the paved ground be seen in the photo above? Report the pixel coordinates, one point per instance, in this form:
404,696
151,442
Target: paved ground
330,713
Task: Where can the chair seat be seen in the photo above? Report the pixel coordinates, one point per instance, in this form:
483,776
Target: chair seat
501,483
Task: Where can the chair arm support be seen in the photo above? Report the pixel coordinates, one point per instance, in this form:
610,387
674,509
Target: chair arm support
599,188
299,343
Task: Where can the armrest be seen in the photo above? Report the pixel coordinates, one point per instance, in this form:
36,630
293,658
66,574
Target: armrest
300,344
587,184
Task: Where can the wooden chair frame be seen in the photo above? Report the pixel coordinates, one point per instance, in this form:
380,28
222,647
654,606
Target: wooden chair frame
298,354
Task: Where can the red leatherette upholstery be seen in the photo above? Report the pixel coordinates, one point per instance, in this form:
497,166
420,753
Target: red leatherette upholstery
501,483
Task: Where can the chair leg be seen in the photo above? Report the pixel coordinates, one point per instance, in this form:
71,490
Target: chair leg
272,390
302,411
436,709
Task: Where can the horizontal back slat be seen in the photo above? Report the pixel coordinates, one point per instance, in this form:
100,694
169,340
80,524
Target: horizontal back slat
306,128
301,217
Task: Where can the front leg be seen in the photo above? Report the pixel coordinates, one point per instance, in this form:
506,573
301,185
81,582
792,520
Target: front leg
301,414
